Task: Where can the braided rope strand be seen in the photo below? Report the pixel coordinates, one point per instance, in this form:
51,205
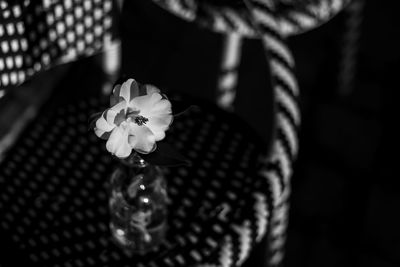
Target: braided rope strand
284,83
313,14
227,80
349,51
290,21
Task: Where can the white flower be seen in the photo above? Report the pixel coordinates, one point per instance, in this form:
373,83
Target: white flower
138,118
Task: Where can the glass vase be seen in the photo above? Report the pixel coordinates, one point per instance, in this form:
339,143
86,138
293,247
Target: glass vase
138,205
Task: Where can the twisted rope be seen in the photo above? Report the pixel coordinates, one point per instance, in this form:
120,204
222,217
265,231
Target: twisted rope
271,21
350,47
228,78
231,16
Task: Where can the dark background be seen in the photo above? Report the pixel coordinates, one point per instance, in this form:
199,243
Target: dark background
345,203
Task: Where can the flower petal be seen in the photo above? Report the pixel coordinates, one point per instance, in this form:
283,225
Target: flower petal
115,97
118,144
161,107
122,105
151,89
141,139
120,112
159,124
103,124
110,115
151,105
93,118
141,103
102,134
129,90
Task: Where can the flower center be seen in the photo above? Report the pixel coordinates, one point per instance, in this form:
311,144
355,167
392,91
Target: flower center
140,120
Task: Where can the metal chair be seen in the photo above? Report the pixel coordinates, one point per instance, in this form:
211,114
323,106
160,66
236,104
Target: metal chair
36,36
271,21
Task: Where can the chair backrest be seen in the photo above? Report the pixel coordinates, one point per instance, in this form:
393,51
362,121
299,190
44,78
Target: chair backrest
36,35
271,21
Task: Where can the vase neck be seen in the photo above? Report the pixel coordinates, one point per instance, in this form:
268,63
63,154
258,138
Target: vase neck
135,160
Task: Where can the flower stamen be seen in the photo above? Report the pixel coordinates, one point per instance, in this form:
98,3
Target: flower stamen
140,120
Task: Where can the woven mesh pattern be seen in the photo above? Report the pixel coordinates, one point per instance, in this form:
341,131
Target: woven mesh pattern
36,34
53,191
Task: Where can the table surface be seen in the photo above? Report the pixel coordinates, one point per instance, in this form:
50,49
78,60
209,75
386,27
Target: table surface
54,203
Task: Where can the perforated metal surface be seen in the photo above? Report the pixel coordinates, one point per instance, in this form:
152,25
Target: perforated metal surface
53,197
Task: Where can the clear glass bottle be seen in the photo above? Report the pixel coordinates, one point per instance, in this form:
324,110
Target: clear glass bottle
138,205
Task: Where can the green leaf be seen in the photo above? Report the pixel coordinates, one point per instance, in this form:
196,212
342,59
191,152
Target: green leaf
165,155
